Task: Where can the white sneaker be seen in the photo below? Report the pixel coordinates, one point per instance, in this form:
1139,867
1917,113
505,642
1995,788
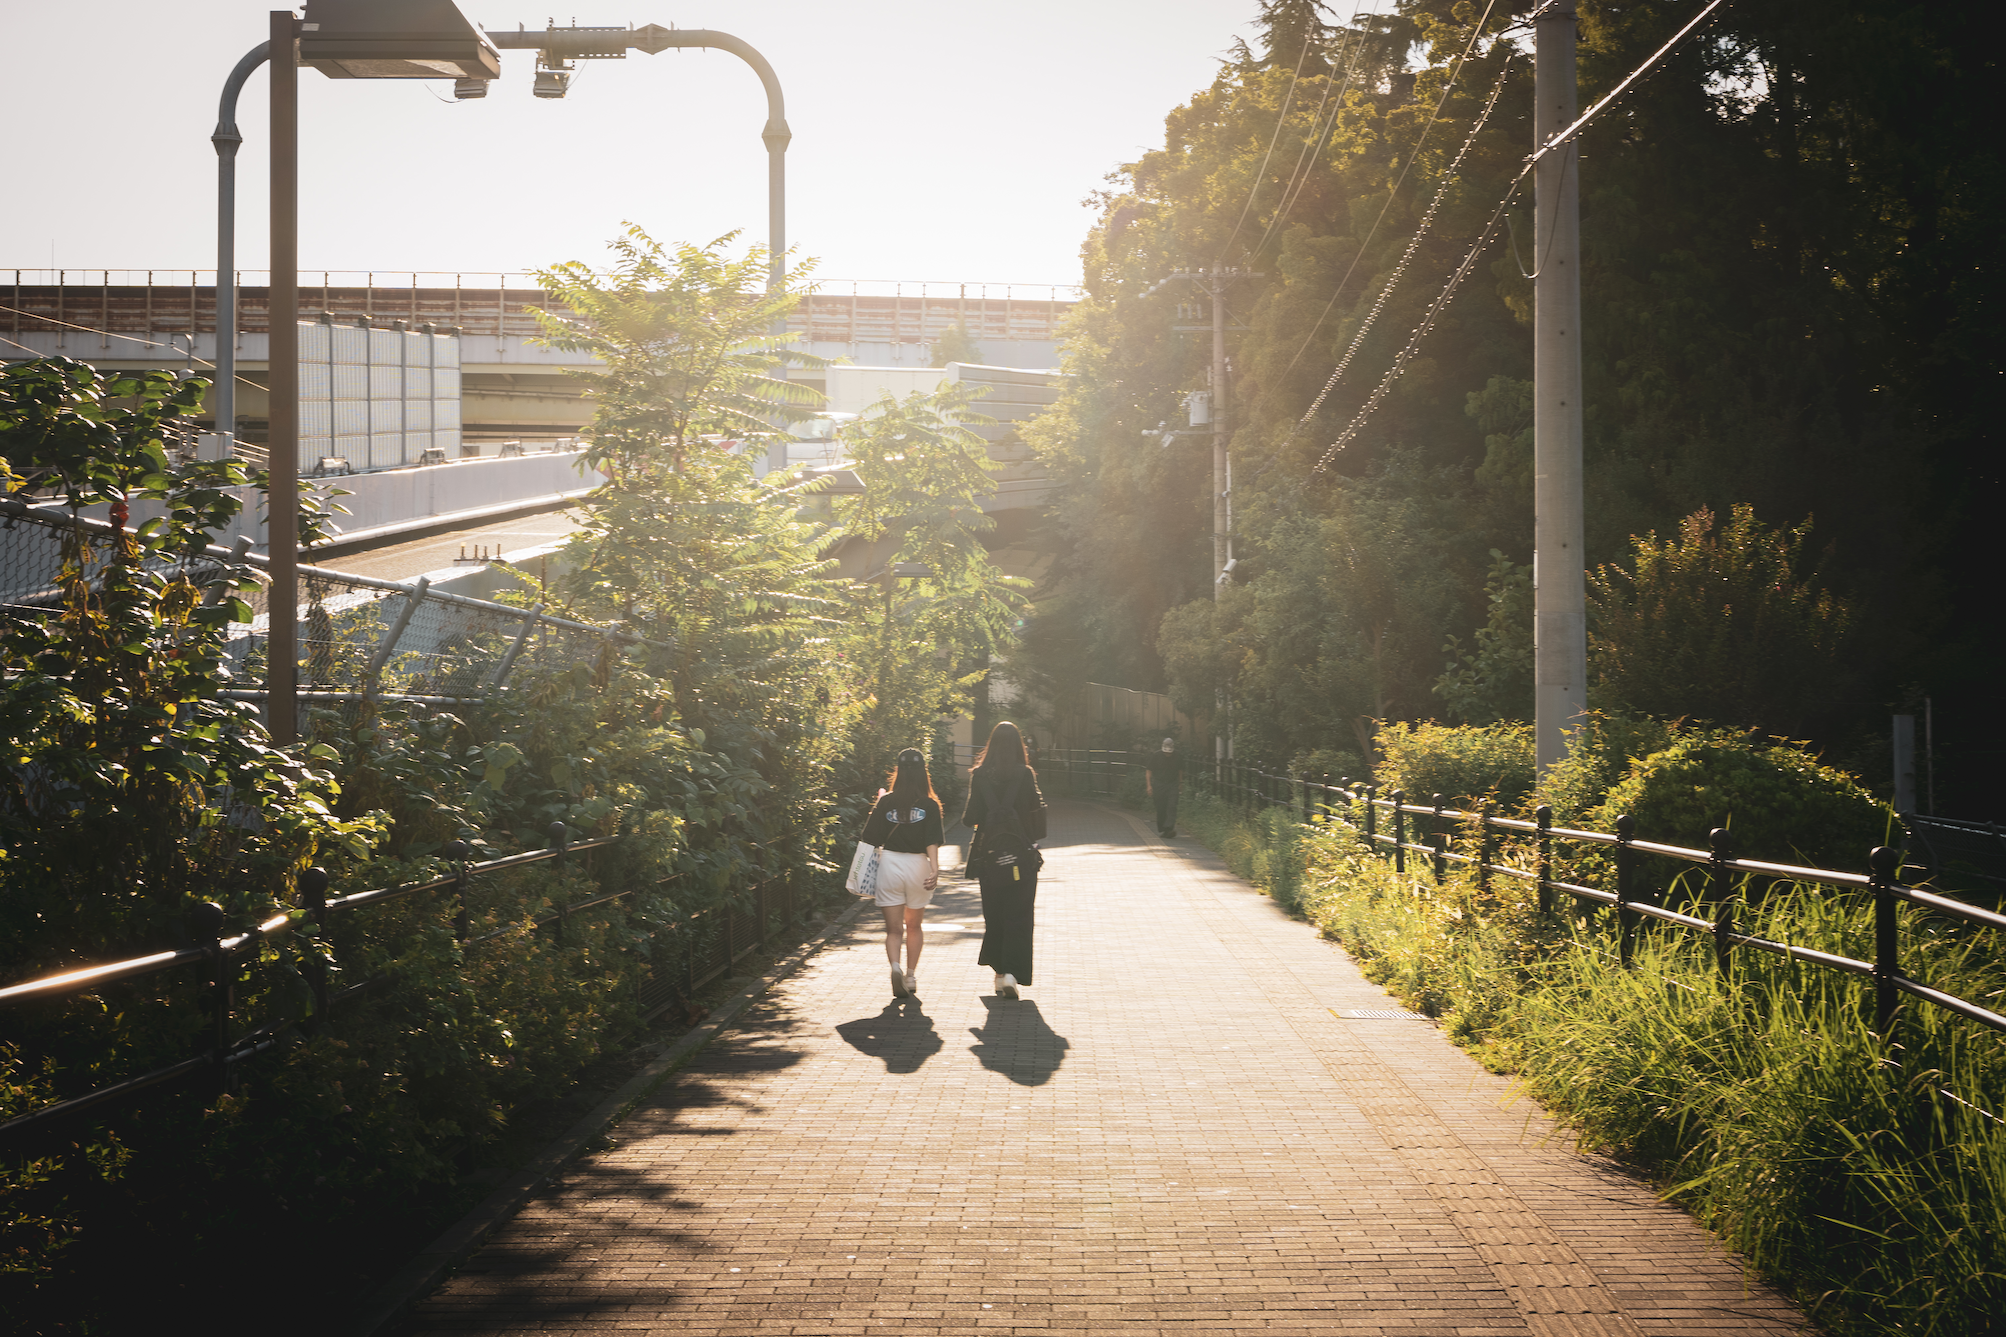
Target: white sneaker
899,987
912,983
1006,986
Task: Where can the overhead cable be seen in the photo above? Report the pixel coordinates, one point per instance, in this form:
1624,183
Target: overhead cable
1448,87
1406,258
1320,131
1421,330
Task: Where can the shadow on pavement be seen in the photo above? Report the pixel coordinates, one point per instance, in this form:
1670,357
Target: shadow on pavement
902,1035
1018,1043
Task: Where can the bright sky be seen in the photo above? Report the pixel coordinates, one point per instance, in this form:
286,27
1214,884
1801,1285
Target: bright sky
949,141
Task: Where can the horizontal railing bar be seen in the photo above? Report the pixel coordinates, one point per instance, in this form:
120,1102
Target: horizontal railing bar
1950,1002
1585,893
1672,916
103,1095
1951,907
361,898
90,977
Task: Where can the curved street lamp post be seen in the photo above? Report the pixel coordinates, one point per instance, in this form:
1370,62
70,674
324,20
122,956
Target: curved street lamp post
386,39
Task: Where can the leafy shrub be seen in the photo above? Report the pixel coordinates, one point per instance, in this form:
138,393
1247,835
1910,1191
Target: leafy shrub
1462,763
1777,801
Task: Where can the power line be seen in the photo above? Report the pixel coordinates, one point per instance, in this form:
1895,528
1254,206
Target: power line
1448,87
1281,119
1421,331
1319,135
1413,245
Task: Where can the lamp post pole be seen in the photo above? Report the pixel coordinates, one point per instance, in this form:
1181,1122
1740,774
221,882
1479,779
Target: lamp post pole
282,437
227,140
653,39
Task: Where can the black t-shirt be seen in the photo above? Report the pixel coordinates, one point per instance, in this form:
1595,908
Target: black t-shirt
904,826
1163,768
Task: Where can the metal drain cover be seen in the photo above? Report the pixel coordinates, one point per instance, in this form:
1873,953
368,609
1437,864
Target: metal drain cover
1380,1014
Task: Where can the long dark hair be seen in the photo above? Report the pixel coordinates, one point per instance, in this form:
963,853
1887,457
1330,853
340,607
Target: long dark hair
1004,751
910,781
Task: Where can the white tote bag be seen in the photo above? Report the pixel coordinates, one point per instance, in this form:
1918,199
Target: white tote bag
863,878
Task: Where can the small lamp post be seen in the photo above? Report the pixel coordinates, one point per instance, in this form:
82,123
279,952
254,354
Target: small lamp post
344,39
896,572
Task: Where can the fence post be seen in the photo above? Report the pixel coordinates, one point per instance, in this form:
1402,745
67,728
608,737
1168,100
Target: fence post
313,887
1626,918
206,923
1486,853
1371,815
457,851
1717,882
559,836
388,645
1399,797
1543,816
1885,864
1439,838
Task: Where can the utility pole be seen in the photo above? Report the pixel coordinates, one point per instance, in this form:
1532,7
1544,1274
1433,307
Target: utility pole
1213,282
1559,567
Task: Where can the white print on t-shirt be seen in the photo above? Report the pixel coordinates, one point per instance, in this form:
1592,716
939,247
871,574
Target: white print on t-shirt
912,817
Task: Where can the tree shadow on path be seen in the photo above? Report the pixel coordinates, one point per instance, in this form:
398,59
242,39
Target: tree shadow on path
1018,1043
902,1035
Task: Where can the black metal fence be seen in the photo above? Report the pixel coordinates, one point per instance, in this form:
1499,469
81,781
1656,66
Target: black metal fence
684,955
1430,838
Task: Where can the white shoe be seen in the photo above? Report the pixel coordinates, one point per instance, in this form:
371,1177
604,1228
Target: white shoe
899,986
1006,986
912,983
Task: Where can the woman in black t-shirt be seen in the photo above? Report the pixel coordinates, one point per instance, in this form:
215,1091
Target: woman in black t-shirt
1008,814
906,824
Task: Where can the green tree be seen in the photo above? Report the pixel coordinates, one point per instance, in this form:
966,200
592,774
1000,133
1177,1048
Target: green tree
925,474
681,542
955,344
1722,625
1492,680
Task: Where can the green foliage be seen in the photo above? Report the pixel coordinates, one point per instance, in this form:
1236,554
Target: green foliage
1721,626
1866,1178
955,344
686,340
1779,804
1492,681
1468,765
925,473
1784,268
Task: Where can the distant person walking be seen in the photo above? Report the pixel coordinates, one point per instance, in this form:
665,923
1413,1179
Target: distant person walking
1161,778
906,823
1008,814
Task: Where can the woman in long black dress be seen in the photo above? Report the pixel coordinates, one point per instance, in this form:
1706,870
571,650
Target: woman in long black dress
1008,814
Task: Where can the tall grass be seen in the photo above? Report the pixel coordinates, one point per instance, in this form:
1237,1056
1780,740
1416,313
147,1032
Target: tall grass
1866,1174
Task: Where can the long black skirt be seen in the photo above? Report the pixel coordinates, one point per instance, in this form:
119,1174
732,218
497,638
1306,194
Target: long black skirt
1008,907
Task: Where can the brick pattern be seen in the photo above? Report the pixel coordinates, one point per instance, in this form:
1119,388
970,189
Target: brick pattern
1174,1133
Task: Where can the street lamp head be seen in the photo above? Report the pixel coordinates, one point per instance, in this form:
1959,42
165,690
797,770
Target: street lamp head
468,89
395,39
906,570
552,83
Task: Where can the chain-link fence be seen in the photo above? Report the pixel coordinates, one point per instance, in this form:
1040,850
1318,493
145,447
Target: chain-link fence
360,639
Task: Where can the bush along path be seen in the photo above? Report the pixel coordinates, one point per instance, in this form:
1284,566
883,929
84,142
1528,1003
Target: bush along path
1862,1167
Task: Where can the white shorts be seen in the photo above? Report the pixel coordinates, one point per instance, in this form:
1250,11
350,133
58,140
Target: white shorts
902,880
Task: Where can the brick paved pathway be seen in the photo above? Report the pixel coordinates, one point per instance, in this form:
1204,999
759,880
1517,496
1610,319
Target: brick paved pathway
1175,1132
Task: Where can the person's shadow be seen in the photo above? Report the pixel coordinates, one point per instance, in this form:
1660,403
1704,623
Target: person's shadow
902,1035
1017,1043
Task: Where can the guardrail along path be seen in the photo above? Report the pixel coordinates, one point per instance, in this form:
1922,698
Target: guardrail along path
1177,1130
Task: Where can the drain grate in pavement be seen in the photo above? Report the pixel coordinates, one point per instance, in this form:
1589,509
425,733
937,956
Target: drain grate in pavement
1379,1014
